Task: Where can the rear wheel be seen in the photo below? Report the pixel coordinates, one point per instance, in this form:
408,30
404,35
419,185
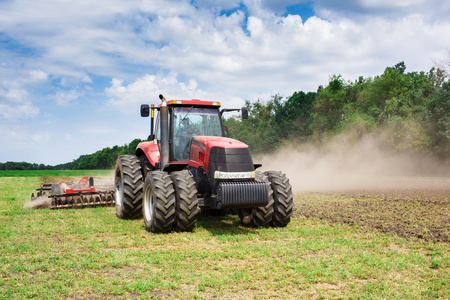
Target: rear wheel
159,202
258,216
186,200
283,198
129,183
145,166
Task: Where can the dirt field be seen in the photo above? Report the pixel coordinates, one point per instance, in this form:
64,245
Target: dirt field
417,207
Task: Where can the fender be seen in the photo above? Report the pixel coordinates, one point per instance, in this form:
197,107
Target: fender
150,150
153,155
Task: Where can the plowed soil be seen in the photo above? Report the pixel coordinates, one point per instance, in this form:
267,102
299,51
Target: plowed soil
414,207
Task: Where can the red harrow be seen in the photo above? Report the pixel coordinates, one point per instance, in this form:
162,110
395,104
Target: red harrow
70,195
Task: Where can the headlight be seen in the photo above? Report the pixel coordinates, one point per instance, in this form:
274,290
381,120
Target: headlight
234,175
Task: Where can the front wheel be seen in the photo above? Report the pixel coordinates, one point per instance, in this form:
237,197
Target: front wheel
259,216
186,200
159,202
283,198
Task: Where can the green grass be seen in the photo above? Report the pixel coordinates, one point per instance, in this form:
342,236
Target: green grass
55,173
91,254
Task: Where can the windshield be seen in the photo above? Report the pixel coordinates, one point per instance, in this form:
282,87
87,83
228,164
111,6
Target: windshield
192,121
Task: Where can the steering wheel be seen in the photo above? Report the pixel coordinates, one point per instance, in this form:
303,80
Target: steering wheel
192,131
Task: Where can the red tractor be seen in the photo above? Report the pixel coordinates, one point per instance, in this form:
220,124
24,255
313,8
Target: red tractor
188,163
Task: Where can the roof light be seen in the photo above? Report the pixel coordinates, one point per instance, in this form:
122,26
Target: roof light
175,102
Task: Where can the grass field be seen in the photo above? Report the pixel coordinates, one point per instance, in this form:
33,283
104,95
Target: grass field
91,254
55,173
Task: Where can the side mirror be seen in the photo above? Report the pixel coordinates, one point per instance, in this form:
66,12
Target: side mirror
145,110
244,112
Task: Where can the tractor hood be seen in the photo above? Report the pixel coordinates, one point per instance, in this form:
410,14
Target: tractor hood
221,153
217,141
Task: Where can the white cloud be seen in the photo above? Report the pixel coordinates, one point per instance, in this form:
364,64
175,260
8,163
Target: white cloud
14,104
16,95
42,137
260,52
38,75
65,98
125,53
146,89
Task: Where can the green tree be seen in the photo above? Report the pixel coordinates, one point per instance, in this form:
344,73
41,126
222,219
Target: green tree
335,104
293,117
439,122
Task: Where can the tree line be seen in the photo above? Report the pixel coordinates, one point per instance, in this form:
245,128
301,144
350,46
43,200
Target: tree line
102,159
105,158
411,110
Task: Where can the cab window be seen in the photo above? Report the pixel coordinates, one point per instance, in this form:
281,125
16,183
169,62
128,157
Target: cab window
193,121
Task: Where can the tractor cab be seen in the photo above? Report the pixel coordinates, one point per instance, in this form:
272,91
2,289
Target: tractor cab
187,122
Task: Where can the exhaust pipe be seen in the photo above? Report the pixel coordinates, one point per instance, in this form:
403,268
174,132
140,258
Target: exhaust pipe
164,146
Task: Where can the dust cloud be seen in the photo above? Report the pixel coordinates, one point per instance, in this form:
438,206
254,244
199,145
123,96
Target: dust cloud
346,164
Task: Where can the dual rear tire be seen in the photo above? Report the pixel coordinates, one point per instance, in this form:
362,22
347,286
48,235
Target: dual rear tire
170,202
128,182
167,202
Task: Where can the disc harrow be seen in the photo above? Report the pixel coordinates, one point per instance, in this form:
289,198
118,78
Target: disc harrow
82,199
70,195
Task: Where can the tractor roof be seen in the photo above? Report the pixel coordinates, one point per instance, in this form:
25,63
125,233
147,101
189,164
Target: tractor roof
193,102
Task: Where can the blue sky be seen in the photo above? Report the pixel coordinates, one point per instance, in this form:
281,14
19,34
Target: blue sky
74,73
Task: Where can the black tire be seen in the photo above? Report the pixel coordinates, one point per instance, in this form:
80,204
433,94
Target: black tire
129,182
159,202
258,216
283,198
186,207
146,166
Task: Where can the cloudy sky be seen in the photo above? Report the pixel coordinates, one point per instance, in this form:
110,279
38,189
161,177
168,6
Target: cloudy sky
74,73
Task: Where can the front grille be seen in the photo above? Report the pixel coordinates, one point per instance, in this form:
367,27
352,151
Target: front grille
228,160
243,194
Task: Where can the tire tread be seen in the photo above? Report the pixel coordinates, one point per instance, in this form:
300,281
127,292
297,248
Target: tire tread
130,169
283,198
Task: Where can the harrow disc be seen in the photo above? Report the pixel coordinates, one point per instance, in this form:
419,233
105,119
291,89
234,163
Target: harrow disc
83,200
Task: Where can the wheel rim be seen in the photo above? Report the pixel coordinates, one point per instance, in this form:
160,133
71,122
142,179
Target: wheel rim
148,204
246,212
119,188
